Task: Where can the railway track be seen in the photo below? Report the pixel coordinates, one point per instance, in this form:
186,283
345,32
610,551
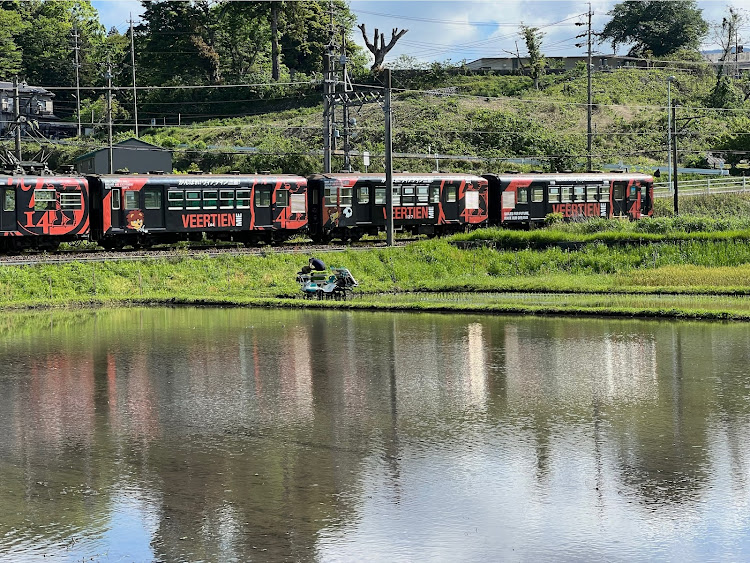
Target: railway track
198,251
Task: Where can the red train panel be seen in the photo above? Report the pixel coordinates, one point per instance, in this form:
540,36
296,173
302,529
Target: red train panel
43,210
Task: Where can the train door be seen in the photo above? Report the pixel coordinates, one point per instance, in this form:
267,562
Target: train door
116,207
8,214
450,202
313,206
619,199
632,207
537,201
262,205
153,207
364,201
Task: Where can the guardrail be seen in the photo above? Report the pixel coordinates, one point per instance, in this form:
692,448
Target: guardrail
703,187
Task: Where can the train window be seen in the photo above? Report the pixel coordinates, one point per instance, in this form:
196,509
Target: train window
619,191
566,193
379,196
408,195
44,200
591,193
175,199
423,194
70,200
152,198
523,195
243,199
537,194
209,199
471,200
9,202
434,194
396,195
115,199
346,196
604,193
363,195
579,192
282,198
226,199
331,193
192,200
298,203
554,194
131,200
450,194
263,198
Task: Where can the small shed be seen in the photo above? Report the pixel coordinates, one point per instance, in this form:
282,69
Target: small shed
133,155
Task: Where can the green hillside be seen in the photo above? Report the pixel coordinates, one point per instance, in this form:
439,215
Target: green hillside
492,117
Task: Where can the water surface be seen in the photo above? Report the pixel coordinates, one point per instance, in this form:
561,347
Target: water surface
217,435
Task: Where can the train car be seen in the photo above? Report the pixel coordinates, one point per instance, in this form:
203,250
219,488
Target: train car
349,205
142,210
40,212
526,199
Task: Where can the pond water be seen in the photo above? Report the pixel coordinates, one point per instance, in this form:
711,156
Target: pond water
236,434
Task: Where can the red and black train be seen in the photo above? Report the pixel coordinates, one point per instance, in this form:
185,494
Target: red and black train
116,211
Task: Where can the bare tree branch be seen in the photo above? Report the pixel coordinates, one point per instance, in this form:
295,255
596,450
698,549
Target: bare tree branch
379,49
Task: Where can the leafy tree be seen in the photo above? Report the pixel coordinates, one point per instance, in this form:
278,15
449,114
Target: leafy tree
655,27
537,61
177,43
45,37
10,53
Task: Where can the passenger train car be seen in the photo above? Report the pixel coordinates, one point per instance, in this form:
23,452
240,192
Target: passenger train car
142,210
347,206
527,199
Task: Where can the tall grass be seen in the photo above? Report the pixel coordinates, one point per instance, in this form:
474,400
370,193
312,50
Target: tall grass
435,265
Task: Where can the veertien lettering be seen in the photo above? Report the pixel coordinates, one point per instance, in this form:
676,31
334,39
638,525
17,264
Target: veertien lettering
411,212
577,209
208,220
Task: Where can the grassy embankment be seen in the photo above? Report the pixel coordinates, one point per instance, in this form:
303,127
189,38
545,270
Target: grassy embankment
698,278
697,265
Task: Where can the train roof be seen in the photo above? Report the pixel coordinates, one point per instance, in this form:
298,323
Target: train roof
571,176
397,176
199,179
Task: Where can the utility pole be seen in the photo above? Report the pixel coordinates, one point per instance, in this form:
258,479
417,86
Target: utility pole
345,104
109,113
132,65
670,79
76,47
328,91
674,160
589,106
388,157
589,134
17,115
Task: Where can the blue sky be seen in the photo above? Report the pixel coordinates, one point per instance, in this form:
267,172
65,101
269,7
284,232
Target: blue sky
458,30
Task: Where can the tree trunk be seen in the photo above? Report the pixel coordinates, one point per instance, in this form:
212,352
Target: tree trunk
275,72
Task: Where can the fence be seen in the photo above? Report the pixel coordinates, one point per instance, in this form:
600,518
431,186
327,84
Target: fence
723,185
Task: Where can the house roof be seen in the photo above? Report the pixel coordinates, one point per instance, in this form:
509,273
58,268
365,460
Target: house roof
24,88
132,142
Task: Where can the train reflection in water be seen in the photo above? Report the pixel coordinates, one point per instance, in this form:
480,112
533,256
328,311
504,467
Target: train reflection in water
200,434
